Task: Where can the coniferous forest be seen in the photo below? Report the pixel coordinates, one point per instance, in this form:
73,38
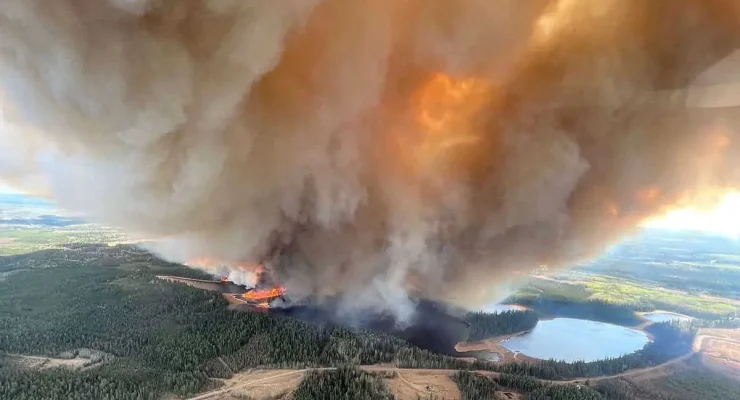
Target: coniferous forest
143,337
474,386
342,384
159,337
595,310
486,325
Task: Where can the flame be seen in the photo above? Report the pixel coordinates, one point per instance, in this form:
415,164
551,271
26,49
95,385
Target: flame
549,23
263,294
561,15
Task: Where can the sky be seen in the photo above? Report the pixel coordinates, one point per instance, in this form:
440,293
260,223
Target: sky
724,219
6,189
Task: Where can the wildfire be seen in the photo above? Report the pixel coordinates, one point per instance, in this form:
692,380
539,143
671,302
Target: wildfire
555,19
264,294
242,273
203,262
445,106
209,263
648,195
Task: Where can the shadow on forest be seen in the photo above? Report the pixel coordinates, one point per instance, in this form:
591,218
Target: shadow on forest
430,326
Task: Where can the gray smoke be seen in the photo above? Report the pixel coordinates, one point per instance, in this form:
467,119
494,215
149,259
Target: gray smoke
375,148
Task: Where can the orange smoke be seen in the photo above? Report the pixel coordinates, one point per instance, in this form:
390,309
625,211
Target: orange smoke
445,108
203,262
211,263
648,195
243,273
352,147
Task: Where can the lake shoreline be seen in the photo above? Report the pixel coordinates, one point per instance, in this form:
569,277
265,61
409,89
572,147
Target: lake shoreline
494,346
497,345
653,312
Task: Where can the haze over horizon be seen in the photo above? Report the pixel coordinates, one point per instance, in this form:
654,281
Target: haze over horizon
722,219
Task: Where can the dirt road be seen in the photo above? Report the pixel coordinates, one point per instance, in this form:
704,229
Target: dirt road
211,394
632,372
697,346
401,371
699,341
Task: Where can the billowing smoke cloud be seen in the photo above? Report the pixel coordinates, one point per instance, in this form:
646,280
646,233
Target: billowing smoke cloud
371,147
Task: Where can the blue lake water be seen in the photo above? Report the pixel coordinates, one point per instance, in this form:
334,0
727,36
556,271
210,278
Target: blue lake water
571,339
665,317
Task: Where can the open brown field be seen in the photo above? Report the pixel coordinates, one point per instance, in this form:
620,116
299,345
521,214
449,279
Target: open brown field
257,385
411,384
406,384
720,349
729,334
728,368
422,384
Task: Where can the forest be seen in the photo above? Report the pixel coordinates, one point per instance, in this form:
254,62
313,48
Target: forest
614,300
344,383
683,260
684,381
595,310
486,325
474,386
160,337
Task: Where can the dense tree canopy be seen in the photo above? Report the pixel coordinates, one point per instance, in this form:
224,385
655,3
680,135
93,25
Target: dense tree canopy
486,325
151,337
346,383
474,386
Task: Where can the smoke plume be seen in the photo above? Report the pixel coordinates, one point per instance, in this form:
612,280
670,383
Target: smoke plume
378,148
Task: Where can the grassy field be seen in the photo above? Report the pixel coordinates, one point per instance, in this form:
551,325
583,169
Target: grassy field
29,224
639,296
686,272
622,291
26,239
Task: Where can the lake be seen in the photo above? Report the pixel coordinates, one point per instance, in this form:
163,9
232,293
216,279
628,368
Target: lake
665,317
571,339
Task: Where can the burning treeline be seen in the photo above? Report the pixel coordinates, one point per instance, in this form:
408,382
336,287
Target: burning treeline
371,147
